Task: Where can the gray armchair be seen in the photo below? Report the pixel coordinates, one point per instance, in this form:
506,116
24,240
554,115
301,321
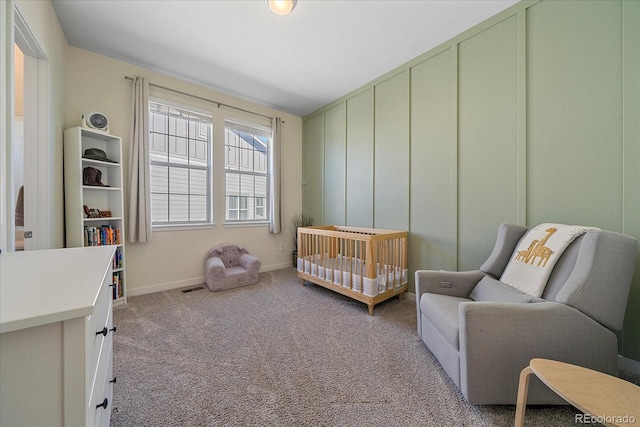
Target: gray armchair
230,266
484,332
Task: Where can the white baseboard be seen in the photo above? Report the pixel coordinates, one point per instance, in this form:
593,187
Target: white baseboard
266,268
190,282
628,364
165,286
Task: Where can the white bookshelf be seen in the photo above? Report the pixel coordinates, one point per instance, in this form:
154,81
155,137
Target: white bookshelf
79,227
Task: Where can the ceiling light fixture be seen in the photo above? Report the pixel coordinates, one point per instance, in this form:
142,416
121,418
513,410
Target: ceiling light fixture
281,7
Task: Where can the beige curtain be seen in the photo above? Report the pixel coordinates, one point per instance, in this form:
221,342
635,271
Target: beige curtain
139,185
275,160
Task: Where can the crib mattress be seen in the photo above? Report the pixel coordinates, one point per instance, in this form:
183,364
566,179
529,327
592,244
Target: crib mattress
350,273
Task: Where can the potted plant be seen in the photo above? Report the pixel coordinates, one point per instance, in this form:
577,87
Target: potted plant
298,220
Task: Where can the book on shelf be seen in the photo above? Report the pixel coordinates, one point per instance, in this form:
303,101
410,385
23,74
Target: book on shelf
117,259
117,289
102,235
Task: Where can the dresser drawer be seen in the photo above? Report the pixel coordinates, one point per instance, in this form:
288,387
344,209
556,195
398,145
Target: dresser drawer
97,322
103,415
98,319
101,386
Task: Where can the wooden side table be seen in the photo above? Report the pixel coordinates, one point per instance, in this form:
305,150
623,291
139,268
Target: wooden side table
602,398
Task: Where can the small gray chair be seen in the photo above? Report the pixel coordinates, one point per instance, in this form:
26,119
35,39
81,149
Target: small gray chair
230,266
484,332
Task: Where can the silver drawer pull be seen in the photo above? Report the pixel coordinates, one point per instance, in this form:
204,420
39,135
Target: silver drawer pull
104,404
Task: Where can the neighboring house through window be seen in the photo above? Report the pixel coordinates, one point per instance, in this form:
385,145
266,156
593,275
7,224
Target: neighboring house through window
246,171
180,147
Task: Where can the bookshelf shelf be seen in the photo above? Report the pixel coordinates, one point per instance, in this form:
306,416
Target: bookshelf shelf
104,219
93,187
104,195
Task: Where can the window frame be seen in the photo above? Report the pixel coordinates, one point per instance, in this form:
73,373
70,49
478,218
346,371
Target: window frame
262,131
209,168
263,206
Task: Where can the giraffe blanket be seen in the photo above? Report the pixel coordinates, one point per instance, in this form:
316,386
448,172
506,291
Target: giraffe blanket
534,258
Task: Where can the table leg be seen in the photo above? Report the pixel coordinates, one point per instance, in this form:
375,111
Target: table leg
523,389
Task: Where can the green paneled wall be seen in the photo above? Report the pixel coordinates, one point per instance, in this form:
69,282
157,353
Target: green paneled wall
335,160
391,148
360,160
531,116
631,163
575,113
487,149
432,164
313,165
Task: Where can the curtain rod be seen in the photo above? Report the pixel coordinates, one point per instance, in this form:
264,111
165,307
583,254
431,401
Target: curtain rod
203,99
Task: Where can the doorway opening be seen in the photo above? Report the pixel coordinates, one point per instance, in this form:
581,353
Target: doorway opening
28,190
17,149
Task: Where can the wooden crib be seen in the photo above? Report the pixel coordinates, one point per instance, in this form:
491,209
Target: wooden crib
366,264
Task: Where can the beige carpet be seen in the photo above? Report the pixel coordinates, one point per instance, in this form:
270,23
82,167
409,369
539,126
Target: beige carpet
282,354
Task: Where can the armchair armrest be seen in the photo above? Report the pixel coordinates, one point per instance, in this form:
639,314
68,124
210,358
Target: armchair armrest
214,268
497,340
249,263
453,283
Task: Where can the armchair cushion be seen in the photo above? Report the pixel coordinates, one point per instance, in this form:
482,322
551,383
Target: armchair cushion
490,289
248,262
519,332
508,237
215,268
442,312
604,271
230,254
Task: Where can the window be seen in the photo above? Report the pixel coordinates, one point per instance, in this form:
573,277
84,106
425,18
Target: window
237,208
246,171
180,144
260,207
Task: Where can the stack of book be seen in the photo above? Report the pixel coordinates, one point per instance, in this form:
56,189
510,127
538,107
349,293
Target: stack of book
102,235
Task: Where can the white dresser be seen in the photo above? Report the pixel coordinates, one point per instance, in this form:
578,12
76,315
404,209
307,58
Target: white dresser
56,328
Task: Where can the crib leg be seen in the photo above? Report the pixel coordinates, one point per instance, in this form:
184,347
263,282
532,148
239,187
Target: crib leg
370,309
302,282
400,295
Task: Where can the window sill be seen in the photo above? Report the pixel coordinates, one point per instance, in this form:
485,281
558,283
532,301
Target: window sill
160,228
243,224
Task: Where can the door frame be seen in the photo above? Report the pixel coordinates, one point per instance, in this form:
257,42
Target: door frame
37,173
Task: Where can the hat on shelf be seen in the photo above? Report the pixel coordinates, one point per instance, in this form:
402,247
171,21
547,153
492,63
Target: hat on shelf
96,154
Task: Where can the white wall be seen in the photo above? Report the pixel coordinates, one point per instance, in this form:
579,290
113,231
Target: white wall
175,258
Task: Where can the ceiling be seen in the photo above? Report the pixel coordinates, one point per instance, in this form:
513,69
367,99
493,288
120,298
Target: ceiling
297,63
